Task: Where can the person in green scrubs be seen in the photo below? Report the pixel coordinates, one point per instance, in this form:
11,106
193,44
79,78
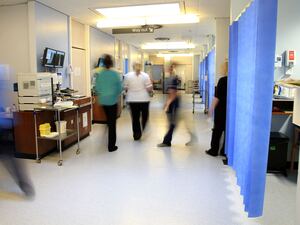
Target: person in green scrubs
109,88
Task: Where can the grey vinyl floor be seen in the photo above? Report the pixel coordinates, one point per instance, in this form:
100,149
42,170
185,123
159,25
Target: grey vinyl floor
141,184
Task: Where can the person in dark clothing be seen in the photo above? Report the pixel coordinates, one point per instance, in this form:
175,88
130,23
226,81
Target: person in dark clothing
172,110
219,109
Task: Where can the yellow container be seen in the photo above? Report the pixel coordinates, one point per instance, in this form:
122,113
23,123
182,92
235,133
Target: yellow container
45,129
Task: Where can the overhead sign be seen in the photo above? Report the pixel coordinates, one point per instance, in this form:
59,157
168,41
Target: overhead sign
137,30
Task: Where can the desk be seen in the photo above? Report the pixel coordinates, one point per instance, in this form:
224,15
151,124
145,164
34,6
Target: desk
7,129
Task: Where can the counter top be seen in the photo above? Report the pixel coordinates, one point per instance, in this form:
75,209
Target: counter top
283,113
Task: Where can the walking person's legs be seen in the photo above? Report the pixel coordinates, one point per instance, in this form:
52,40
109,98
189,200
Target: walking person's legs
111,115
215,141
145,114
172,120
135,117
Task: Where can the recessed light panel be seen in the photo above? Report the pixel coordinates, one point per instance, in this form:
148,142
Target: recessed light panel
141,10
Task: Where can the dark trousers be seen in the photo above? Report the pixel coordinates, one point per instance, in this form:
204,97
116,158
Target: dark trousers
111,116
139,109
172,120
14,167
218,130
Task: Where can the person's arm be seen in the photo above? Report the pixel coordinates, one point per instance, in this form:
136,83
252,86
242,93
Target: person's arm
119,85
125,83
213,106
216,100
97,84
148,84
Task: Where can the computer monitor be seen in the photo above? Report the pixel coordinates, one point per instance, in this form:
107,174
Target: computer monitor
59,59
100,62
49,57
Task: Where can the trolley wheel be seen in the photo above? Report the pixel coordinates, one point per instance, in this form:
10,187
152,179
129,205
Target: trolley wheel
59,163
38,161
78,152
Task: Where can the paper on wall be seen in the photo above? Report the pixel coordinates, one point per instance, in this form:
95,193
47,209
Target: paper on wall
84,120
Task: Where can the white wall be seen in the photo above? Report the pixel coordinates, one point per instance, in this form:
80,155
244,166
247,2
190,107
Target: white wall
135,55
222,44
196,62
100,43
236,7
14,50
52,30
288,33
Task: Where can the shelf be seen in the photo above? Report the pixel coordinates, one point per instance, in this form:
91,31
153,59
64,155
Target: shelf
288,85
63,136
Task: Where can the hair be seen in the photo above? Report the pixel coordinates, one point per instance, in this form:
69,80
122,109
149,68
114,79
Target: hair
107,61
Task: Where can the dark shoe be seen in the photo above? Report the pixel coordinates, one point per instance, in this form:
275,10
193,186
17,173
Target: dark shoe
27,189
163,145
113,149
137,137
211,153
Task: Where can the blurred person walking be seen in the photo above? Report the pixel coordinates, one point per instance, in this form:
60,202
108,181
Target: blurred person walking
139,87
172,109
109,88
15,167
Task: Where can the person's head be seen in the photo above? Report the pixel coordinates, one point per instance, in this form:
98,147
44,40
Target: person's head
224,68
172,69
107,61
137,67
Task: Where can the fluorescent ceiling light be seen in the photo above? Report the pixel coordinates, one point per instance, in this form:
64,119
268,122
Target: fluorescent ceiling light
174,55
140,10
139,21
179,19
129,22
168,45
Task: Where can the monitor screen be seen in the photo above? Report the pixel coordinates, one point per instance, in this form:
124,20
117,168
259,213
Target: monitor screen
48,58
59,59
100,62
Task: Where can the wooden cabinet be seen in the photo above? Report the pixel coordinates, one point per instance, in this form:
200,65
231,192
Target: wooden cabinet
98,111
25,134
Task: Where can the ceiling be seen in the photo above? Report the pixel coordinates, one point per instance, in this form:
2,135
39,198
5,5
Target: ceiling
82,10
11,2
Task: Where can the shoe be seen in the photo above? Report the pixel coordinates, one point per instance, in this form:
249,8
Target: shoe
27,189
113,149
192,141
222,154
137,137
211,153
163,145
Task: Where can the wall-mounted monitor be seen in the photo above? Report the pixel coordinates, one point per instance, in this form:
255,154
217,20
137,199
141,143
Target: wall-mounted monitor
100,62
49,57
59,59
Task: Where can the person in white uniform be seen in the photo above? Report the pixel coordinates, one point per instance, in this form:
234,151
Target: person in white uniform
138,86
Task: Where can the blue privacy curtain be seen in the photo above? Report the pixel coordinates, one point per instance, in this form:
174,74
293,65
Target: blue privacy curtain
250,90
202,80
211,72
231,95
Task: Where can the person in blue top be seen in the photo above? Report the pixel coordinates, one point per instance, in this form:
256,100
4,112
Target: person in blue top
108,88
